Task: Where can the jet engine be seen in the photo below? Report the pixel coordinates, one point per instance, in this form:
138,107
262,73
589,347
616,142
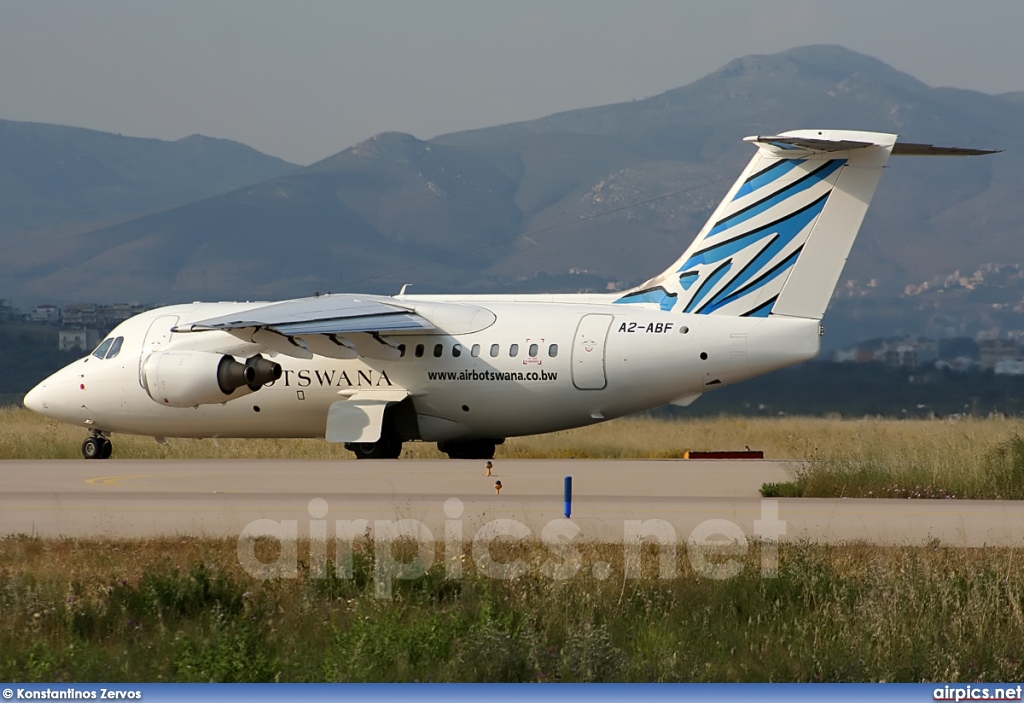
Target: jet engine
186,379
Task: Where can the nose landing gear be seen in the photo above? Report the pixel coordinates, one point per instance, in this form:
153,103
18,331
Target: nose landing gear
96,446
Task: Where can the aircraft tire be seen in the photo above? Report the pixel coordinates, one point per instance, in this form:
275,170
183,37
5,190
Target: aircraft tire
385,448
92,448
108,449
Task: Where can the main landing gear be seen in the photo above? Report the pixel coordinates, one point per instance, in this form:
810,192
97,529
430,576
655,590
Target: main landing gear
399,424
389,446
470,448
96,446
381,449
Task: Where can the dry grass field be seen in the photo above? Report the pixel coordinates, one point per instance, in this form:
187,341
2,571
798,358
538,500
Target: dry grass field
871,457
937,443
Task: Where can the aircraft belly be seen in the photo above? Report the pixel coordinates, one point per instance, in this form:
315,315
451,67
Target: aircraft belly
276,417
449,412
435,428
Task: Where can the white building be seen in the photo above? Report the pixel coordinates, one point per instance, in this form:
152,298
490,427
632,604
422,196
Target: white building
46,313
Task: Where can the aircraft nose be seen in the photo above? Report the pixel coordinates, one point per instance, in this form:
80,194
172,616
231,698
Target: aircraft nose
34,399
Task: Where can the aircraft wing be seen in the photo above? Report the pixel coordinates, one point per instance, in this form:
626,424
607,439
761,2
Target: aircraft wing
328,314
341,326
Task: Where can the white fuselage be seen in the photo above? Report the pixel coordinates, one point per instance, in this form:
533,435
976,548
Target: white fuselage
543,364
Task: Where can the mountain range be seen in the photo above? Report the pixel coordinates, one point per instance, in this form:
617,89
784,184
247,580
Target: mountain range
597,198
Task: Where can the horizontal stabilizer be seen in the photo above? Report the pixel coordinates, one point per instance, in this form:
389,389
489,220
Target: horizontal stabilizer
906,149
822,145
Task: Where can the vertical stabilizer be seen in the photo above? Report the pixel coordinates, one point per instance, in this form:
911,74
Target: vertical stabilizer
778,241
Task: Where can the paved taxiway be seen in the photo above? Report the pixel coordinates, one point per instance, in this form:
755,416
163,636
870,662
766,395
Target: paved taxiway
219,498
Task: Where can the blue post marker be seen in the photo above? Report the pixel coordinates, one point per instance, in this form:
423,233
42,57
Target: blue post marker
568,496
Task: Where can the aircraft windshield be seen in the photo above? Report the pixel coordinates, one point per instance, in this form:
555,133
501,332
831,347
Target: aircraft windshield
115,348
101,350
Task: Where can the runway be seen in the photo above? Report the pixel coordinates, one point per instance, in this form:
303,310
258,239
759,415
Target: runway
124,499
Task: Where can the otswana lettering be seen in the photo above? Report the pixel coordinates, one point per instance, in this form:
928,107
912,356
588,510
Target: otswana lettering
332,378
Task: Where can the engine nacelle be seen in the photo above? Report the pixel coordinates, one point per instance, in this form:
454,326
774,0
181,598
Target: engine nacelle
186,379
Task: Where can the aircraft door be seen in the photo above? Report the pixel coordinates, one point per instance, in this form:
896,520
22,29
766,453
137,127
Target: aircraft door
588,352
158,335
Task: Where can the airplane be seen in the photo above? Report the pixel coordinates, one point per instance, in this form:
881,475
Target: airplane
468,371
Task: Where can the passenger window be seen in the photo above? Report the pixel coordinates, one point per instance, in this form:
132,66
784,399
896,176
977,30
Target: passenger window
115,348
494,350
419,350
438,350
553,351
475,351
513,350
457,350
533,350
101,350
401,351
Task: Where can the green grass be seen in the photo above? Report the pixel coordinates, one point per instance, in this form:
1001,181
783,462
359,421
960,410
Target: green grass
988,472
182,610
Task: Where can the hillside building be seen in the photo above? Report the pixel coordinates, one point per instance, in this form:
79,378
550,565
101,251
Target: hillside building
992,351
49,314
80,315
82,339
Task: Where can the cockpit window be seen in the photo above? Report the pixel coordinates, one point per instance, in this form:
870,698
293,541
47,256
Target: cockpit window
115,348
101,350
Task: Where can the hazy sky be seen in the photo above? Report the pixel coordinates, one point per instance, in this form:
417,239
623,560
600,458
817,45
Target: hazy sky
303,80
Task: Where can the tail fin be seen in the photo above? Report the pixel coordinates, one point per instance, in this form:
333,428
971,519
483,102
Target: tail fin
778,242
